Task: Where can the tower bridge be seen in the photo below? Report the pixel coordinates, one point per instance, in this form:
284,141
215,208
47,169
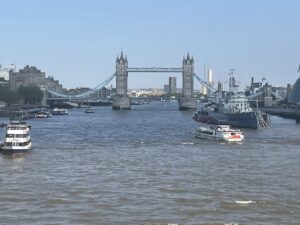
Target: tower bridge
186,101
121,99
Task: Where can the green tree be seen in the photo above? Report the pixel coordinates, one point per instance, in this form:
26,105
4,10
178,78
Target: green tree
30,94
8,96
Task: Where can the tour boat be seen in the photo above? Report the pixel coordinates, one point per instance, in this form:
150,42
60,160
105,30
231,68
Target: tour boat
220,132
17,138
57,111
43,115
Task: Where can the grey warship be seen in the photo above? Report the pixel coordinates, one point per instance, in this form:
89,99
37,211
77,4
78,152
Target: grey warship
234,109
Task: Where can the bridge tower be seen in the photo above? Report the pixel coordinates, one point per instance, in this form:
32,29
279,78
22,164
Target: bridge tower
121,99
187,100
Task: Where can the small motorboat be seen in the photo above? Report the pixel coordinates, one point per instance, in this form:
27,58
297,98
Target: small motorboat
43,115
220,132
57,111
89,110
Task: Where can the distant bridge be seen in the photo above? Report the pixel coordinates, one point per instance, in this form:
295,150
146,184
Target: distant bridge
60,96
86,95
121,100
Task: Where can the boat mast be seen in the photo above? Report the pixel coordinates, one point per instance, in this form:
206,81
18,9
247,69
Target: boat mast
232,84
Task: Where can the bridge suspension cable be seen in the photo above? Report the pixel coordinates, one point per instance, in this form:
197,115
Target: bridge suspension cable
84,94
255,95
262,92
205,84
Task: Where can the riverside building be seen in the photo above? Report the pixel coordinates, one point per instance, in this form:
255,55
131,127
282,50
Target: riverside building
29,76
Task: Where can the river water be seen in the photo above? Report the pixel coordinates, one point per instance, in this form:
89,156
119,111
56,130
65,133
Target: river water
144,166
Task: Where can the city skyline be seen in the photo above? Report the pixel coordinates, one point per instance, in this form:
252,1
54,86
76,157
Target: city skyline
74,39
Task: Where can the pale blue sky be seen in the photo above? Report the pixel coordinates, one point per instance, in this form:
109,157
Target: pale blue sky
77,41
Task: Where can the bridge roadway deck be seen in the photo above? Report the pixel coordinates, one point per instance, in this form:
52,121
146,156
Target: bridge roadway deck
155,70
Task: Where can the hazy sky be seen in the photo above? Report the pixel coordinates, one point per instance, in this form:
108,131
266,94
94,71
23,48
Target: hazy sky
77,41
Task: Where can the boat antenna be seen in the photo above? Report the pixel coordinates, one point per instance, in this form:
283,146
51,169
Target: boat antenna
231,80
299,69
204,70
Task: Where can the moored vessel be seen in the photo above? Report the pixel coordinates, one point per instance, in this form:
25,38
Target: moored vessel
17,138
43,114
233,109
57,111
252,120
220,132
136,102
89,110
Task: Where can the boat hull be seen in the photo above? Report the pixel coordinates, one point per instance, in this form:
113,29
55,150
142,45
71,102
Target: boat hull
7,151
89,110
58,113
14,150
243,120
239,120
208,137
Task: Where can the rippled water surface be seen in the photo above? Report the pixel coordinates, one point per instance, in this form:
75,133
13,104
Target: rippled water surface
145,166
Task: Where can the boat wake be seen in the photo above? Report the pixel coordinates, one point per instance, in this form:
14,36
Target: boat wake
187,143
245,202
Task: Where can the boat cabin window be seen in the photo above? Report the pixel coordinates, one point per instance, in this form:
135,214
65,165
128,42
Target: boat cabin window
16,128
207,132
24,143
16,135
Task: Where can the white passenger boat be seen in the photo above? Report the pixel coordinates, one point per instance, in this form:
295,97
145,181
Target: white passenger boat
220,132
57,111
17,138
43,115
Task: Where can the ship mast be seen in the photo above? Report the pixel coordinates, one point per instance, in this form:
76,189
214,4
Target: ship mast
232,85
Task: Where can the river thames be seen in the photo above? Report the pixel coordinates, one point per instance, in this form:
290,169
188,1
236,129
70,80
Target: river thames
144,166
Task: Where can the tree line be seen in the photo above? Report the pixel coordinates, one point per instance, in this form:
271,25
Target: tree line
23,95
